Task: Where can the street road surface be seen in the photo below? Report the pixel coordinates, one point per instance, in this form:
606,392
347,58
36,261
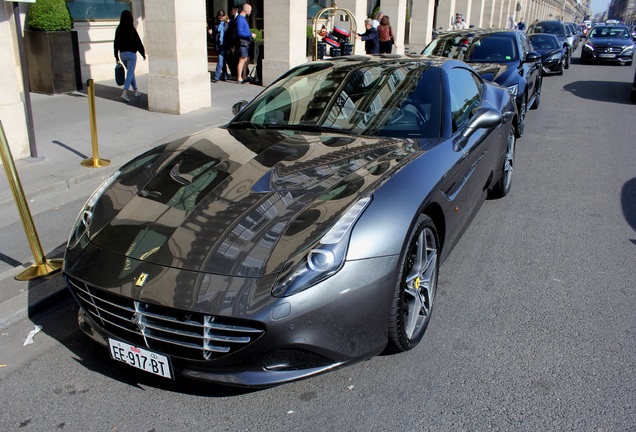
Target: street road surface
534,325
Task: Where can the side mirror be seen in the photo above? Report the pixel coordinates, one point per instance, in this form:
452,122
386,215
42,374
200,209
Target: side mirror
483,117
237,107
533,57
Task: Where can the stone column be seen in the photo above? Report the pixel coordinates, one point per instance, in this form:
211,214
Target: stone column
396,11
421,25
464,7
477,12
12,111
284,37
446,14
176,46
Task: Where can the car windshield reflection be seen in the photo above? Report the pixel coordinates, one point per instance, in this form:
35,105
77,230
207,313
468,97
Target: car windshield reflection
392,99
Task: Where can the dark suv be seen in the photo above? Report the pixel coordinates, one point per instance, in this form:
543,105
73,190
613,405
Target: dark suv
558,29
505,57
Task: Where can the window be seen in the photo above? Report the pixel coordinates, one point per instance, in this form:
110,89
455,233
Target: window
465,94
89,10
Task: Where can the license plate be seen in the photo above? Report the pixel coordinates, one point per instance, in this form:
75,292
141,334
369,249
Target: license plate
607,55
140,358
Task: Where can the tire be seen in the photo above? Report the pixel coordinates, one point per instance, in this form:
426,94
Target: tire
416,287
567,59
537,98
502,188
521,122
560,71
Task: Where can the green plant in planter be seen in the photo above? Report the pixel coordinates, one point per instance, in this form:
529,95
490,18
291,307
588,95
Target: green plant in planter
259,35
49,15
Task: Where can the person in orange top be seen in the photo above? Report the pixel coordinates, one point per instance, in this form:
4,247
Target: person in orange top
385,34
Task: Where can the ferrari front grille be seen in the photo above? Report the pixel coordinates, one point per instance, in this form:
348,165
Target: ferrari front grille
170,331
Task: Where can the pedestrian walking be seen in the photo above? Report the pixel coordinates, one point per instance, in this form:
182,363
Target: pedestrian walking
218,35
245,39
370,38
126,45
522,25
385,36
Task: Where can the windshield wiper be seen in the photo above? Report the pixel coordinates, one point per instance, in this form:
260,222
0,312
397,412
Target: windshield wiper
245,124
309,128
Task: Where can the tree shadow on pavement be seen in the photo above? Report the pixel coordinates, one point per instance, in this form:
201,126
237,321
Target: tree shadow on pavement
603,91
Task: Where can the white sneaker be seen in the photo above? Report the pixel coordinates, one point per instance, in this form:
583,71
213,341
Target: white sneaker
137,93
125,97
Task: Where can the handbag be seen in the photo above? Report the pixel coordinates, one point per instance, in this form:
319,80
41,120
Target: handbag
120,74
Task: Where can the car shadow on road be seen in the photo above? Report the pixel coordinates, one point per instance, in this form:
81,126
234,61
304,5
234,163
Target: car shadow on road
602,91
628,201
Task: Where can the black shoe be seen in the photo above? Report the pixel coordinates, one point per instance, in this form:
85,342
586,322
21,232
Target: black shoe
214,80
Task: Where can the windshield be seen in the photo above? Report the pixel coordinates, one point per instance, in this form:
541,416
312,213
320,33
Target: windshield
609,32
547,27
545,42
475,48
361,98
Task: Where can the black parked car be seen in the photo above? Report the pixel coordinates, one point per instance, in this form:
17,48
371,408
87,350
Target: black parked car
304,235
551,50
633,95
611,43
501,56
558,29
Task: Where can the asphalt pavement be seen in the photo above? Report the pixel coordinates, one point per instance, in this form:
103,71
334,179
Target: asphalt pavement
62,133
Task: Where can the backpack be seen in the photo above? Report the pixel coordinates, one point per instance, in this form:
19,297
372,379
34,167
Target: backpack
231,39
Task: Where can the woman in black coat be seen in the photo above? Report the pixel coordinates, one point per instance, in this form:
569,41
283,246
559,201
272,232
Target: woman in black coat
127,43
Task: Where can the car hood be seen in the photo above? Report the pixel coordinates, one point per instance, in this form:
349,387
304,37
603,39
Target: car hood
609,42
545,53
239,202
500,73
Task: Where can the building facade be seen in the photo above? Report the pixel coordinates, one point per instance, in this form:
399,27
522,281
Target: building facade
175,37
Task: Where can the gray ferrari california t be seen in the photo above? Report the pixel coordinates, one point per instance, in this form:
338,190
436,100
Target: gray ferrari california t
305,234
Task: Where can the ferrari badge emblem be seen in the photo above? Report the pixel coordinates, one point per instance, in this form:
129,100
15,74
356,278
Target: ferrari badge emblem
141,280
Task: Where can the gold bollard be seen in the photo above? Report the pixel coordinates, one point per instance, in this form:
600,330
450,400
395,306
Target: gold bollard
42,267
95,161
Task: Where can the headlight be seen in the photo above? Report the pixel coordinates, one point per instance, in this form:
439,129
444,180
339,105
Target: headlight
553,57
83,220
588,46
324,259
514,89
628,50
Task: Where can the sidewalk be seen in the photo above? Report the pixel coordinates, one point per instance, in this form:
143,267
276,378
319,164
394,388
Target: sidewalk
63,140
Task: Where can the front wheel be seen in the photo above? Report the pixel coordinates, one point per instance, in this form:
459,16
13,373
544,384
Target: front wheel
417,284
521,121
502,188
567,59
537,97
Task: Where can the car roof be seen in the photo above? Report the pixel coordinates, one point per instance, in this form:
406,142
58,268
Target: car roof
481,32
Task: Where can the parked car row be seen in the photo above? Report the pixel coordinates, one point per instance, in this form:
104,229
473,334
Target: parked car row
505,57
234,255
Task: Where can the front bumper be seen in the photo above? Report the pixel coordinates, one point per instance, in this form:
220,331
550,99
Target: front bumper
339,321
615,55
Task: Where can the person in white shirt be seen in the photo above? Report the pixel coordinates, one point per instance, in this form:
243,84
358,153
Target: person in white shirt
459,23
376,21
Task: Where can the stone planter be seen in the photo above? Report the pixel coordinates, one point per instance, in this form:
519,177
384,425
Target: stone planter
53,61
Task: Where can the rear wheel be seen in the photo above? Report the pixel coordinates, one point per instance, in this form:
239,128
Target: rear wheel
417,284
521,122
567,59
502,188
537,97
